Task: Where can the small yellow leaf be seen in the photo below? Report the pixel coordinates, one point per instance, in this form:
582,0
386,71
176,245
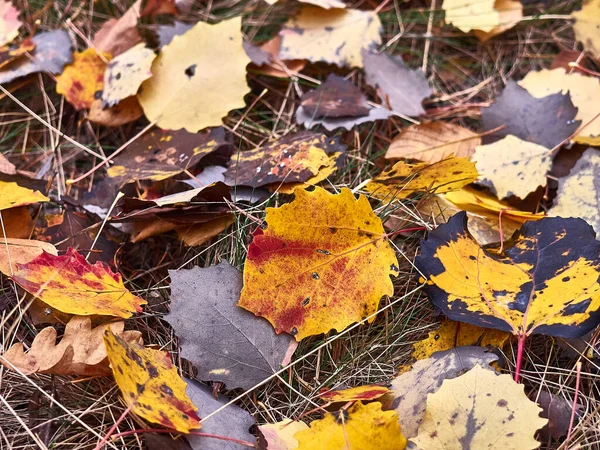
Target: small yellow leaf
587,26
13,195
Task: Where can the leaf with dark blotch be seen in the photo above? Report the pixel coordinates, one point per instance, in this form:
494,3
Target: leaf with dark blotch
303,118
225,342
336,97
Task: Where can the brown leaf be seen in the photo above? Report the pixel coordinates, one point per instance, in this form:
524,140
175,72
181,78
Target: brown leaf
336,97
6,166
118,35
558,412
126,111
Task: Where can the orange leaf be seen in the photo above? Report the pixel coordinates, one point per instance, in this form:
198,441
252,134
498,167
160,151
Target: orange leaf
72,285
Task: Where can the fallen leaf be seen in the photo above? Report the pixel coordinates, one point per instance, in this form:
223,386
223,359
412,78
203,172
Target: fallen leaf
280,435
157,7
545,281
81,350
195,235
72,285
487,17
365,393
325,4
404,179
267,59
336,161
80,81
6,166
410,389
294,158
159,154
9,22
223,341
119,35
364,427
479,409
432,142
577,194
584,92
156,441
335,36
13,195
563,59
545,121
293,275
336,97
21,251
558,412
587,26
348,123
511,166
167,32
401,88
150,384
18,223
192,87
452,334
510,13
126,73
9,54
126,111
52,52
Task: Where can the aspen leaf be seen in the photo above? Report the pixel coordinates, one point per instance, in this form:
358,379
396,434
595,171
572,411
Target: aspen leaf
21,251
335,36
480,409
487,17
326,271
364,427
13,195
150,384
9,22
587,26
510,13
545,281
365,393
405,179
192,87
280,435
72,285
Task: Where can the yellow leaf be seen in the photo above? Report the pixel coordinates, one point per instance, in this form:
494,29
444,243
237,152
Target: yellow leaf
405,179
367,393
433,142
587,26
584,92
467,15
511,166
480,410
280,435
21,251
364,427
335,36
510,13
198,78
13,195
330,167
452,334
322,263
150,384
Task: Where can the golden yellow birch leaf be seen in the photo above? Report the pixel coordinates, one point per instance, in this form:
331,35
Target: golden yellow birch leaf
197,78
584,92
405,179
510,13
13,195
587,26
452,334
150,384
433,142
322,263
72,285
467,15
280,435
83,78
364,427
511,166
366,393
480,409
335,36
21,251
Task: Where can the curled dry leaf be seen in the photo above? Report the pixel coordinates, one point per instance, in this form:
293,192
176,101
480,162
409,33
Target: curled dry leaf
21,251
587,26
81,350
9,22
280,435
13,195
364,393
293,276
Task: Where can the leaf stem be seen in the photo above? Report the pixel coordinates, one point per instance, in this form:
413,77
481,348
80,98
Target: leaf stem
574,409
519,361
193,433
112,429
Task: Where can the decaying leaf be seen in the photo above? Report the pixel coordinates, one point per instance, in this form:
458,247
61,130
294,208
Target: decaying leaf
511,166
81,350
192,87
150,384
401,88
545,121
587,26
364,393
9,22
336,97
479,409
433,142
194,235
558,412
545,281
364,427
21,251
80,81
404,179
335,36
125,111
125,74
452,334
280,435
223,341
13,195
119,35
10,53
410,389
328,271
72,285
294,158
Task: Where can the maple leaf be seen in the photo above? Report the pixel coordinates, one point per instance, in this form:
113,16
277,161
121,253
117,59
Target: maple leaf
81,350
360,426
433,142
150,384
479,408
21,251
280,435
586,26
365,393
328,270
335,36
72,285
224,342
186,89
13,195
545,282
9,22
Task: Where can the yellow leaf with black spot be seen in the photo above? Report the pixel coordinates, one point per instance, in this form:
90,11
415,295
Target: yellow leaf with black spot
587,26
150,384
13,195
545,281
